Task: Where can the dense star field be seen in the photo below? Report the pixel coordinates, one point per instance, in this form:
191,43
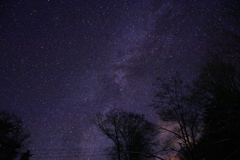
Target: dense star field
63,61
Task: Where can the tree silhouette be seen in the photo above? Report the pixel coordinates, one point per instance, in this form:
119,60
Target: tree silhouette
174,105
12,136
132,135
219,88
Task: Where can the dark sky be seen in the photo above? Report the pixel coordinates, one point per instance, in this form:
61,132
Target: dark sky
64,61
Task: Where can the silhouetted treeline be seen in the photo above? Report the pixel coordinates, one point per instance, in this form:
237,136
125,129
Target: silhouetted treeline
206,115
218,87
202,119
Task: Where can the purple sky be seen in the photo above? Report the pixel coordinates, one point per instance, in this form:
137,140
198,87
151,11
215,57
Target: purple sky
64,61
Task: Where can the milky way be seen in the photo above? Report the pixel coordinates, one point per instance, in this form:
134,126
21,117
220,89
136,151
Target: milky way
64,61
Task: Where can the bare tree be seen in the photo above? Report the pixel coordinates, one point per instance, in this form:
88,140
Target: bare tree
174,105
134,137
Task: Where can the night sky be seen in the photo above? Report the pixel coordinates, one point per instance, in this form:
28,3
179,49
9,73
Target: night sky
64,61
